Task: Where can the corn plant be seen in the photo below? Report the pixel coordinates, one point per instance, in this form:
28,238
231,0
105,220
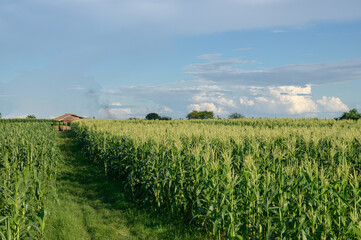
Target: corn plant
28,163
238,179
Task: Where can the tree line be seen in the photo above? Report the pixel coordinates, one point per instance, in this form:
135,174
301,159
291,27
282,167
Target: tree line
353,114
192,115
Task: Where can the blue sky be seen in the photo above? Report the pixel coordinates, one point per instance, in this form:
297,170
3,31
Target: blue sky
121,59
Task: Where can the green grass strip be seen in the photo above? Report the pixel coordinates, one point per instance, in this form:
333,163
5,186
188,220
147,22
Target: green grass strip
91,206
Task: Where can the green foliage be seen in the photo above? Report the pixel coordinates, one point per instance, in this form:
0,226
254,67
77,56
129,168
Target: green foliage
27,120
152,116
0,115
165,118
351,115
155,116
32,116
200,115
28,164
238,179
235,116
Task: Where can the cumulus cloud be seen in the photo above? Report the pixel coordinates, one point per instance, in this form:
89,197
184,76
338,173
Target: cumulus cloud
282,100
260,101
331,104
290,100
246,102
230,72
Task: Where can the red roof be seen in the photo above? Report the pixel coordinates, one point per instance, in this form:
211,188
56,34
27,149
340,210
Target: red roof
68,118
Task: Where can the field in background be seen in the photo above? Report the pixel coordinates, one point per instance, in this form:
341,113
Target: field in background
251,178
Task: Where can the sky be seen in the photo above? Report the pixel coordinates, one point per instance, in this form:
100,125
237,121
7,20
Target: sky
126,58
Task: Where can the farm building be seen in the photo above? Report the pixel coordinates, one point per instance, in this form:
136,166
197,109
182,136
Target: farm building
66,118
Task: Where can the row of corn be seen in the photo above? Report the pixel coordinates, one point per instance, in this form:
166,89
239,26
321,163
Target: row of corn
28,163
238,179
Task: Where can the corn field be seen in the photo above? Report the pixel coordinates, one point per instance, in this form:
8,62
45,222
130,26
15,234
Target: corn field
238,179
28,163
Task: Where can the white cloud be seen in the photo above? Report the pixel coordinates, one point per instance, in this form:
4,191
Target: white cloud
263,100
272,101
293,99
115,112
246,102
292,90
79,88
331,104
215,66
207,107
290,100
215,97
166,110
116,104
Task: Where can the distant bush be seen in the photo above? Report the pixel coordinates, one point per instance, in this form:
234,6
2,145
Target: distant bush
165,118
156,116
200,115
351,115
31,116
152,116
235,116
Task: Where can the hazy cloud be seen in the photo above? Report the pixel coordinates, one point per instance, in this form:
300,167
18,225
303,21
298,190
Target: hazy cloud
209,56
229,71
190,17
35,93
243,49
215,66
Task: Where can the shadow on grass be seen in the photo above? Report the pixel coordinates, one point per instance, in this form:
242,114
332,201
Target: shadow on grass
103,208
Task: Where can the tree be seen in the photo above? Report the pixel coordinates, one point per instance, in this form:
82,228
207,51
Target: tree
352,115
235,116
152,116
32,116
200,115
0,115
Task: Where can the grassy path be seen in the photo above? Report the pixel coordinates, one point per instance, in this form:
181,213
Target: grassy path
93,207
